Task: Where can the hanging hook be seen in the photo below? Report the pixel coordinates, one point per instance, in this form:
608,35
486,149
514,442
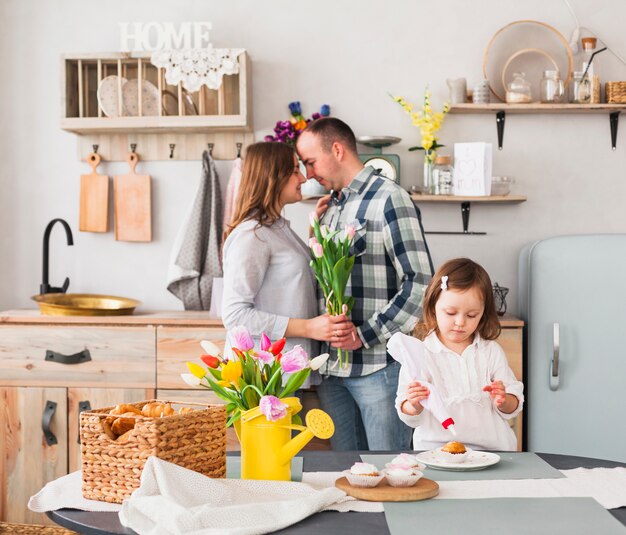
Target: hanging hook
239,146
95,148
210,148
133,147
172,147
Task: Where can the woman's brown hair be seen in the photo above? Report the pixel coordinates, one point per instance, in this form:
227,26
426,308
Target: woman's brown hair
266,169
462,274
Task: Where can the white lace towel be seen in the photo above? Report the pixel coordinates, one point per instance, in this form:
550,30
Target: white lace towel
66,492
172,499
606,485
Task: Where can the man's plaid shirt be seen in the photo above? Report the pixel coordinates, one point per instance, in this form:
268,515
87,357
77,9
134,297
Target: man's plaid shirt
391,269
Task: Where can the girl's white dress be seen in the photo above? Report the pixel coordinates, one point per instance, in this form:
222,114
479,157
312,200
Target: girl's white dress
460,380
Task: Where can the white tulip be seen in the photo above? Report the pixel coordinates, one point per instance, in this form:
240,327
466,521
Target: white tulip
318,361
190,379
210,348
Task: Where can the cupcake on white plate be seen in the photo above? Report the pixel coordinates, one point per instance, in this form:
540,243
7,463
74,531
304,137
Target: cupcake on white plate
363,475
453,452
402,475
408,460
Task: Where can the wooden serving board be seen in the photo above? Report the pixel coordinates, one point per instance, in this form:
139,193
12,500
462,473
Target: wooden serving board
94,199
422,490
133,212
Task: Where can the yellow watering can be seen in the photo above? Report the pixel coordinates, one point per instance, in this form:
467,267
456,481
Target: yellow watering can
267,447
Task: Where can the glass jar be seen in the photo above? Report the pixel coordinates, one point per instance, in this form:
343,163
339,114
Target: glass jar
589,63
518,90
443,174
580,90
551,89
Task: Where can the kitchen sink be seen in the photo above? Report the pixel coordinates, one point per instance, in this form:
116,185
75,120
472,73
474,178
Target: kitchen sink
61,304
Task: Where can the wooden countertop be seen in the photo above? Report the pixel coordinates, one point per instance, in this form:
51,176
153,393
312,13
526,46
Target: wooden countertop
168,317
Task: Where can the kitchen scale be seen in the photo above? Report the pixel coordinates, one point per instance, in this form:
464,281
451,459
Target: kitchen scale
387,164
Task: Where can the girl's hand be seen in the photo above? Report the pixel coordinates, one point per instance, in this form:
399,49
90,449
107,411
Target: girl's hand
497,392
415,393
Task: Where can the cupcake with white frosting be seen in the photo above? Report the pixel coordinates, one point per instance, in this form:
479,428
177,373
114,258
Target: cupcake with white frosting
408,460
402,475
363,475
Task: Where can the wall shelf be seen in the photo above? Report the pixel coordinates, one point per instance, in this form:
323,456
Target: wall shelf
465,207
164,115
502,109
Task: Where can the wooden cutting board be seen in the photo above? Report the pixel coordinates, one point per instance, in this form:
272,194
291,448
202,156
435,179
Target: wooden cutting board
383,492
132,199
94,199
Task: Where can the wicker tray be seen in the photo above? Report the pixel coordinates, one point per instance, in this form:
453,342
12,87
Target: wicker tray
111,469
615,92
33,529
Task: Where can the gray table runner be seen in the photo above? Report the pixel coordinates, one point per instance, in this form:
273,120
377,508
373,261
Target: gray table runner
512,465
233,468
513,516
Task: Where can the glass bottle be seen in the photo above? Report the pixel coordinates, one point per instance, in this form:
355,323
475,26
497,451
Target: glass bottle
580,90
551,89
518,90
443,173
586,63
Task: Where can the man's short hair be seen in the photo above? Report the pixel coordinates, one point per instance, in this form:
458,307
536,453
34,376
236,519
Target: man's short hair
331,130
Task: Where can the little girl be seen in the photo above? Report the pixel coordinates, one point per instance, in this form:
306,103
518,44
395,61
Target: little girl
465,364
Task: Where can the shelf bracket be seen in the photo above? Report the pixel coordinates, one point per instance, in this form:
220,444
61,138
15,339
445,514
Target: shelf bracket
614,121
500,116
465,215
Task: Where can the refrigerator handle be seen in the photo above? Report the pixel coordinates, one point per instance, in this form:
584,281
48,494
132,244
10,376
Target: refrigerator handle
554,364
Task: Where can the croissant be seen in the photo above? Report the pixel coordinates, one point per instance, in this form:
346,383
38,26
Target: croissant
123,424
157,409
185,410
125,407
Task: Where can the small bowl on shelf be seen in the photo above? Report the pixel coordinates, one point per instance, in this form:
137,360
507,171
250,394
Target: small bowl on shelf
501,185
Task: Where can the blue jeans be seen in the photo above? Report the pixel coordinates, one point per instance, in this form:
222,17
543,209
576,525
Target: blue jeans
364,412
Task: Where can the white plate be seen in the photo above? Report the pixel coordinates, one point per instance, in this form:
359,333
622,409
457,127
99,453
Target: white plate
476,460
108,96
149,98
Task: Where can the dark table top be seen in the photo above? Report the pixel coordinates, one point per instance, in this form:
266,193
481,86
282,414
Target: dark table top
327,522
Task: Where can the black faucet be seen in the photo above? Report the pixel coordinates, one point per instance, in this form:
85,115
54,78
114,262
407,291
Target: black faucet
44,287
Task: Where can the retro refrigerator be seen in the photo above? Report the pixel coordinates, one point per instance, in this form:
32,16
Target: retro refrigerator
572,292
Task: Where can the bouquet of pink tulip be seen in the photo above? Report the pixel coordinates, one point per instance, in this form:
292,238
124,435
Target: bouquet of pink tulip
251,378
332,264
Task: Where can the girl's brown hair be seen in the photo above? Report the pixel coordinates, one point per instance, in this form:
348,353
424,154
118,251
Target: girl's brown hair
266,170
462,274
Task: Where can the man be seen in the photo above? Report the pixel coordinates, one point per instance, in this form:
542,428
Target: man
391,271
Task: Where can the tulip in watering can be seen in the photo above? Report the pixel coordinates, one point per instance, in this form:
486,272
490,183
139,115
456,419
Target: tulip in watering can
267,447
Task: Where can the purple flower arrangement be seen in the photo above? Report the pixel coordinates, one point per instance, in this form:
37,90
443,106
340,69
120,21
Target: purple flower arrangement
288,131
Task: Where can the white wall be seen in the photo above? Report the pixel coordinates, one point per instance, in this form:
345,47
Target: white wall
348,54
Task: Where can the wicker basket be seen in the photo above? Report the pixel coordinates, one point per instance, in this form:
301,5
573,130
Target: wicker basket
112,469
615,92
33,529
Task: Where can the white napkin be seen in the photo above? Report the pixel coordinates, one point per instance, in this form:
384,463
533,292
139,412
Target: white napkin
64,492
606,485
173,500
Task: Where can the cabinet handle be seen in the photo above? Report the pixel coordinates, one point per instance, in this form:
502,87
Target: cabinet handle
554,363
76,358
82,406
48,413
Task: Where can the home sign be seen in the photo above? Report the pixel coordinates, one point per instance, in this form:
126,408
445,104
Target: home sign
151,36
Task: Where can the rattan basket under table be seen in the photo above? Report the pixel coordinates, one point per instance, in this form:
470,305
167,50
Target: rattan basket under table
33,529
111,469
615,92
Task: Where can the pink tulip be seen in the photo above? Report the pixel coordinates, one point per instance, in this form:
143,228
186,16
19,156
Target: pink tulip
241,338
264,356
294,360
318,250
350,231
273,408
265,342
324,231
312,242
313,218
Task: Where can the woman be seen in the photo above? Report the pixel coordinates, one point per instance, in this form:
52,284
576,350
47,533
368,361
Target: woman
268,284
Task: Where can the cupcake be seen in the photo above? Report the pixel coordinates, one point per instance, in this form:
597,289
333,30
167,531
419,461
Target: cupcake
402,475
408,460
453,452
363,475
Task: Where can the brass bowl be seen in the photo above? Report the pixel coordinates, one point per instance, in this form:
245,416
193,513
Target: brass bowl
59,304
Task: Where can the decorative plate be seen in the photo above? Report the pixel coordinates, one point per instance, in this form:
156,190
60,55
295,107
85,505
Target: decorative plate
476,460
149,98
525,34
108,96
